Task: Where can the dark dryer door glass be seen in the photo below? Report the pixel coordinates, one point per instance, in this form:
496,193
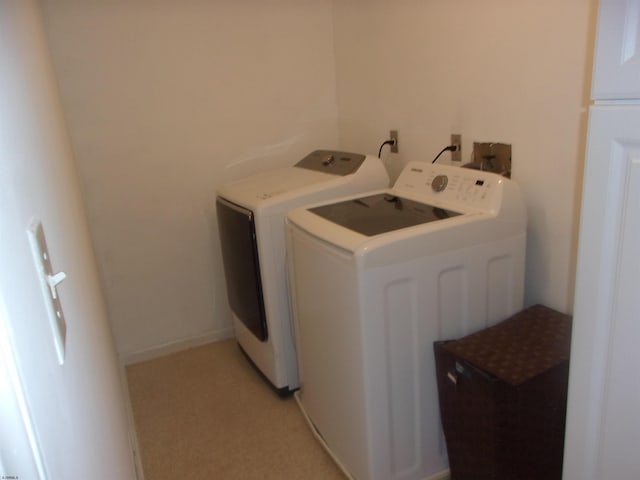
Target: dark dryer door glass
241,267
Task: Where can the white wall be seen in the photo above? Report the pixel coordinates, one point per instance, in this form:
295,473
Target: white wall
77,409
495,70
167,100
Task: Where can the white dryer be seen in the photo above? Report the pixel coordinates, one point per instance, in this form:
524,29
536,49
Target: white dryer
375,280
251,214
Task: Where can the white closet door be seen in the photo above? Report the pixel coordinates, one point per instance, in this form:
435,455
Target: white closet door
616,72
603,422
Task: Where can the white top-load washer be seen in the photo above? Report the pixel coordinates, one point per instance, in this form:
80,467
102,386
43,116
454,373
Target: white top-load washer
251,214
375,280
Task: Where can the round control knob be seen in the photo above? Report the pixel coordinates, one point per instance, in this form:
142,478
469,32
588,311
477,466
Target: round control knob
439,183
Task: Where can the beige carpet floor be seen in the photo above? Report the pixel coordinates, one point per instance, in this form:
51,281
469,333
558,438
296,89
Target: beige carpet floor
205,414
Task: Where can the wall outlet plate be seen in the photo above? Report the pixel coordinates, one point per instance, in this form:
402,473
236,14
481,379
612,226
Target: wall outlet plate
456,139
393,135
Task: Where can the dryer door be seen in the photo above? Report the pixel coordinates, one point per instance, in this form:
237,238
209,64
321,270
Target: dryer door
241,266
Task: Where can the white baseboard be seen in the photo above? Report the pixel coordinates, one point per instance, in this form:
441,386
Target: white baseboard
133,435
175,346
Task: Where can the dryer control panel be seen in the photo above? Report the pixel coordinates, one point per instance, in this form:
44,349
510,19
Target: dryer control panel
445,184
332,161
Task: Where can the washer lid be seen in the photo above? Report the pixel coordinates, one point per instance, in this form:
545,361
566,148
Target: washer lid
381,213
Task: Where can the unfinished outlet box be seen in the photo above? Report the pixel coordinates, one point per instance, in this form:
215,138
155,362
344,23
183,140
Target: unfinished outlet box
492,157
456,139
393,135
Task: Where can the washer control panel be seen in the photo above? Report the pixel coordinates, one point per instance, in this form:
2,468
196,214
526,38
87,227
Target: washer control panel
451,185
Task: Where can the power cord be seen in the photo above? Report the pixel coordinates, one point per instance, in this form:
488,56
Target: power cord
448,148
391,142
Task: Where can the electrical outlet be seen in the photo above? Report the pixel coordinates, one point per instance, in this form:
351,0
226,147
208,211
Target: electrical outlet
456,139
393,135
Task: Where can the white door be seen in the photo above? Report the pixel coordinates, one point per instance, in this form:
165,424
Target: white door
63,414
617,57
603,420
